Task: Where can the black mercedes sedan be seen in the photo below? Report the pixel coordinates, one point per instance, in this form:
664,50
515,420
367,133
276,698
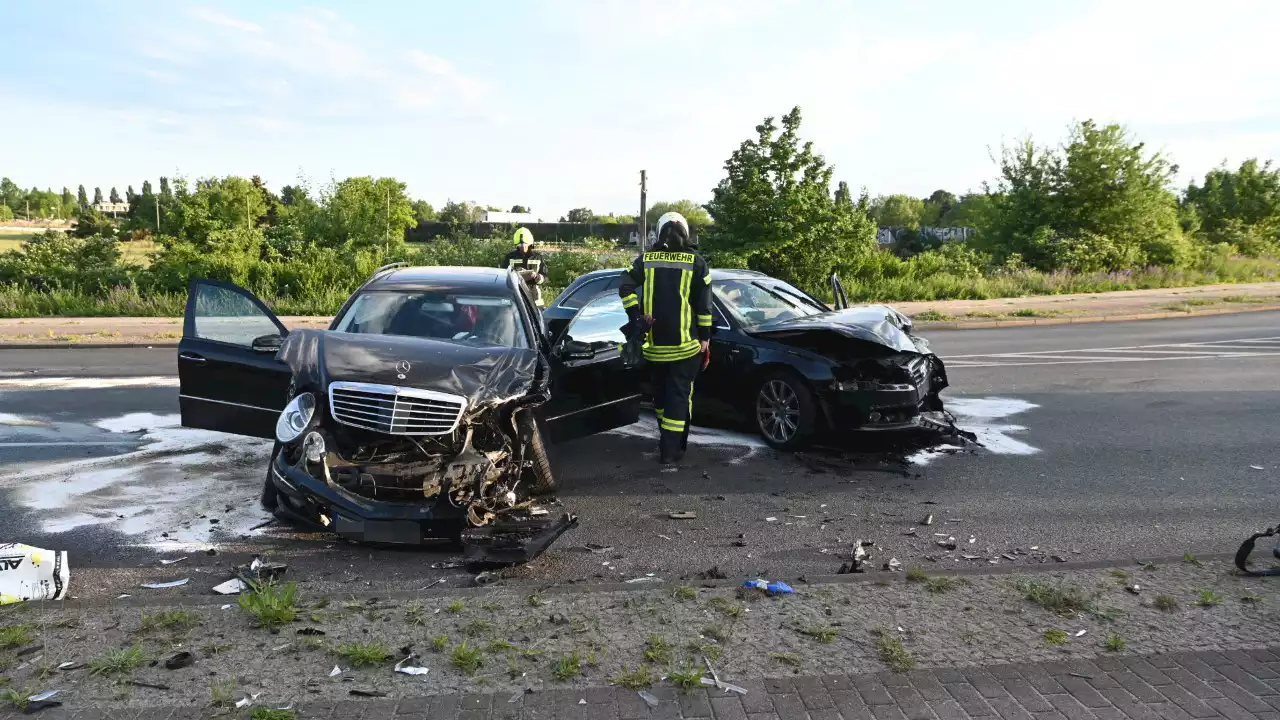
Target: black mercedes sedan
422,413
787,363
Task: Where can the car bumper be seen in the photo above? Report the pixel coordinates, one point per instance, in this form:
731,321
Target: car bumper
895,407
515,538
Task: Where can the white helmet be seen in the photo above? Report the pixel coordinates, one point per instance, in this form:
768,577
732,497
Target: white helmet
674,217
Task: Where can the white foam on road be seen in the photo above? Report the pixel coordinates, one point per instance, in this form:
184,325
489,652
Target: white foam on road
980,416
176,476
85,383
647,427
18,421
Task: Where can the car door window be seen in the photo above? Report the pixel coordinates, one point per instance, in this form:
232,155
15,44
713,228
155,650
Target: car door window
599,323
585,293
225,315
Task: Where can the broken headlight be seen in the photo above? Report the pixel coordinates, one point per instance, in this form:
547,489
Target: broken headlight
295,417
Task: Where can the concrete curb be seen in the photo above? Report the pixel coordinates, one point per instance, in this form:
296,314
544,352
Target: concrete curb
977,325
587,588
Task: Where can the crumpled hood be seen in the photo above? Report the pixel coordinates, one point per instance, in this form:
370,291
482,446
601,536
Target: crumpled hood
482,375
879,324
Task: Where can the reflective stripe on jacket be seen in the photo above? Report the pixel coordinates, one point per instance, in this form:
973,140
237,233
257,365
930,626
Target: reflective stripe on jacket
674,288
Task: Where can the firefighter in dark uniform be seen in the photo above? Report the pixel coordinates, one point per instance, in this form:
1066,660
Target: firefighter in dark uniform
528,263
673,301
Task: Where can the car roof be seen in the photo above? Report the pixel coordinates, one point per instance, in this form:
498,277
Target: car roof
474,279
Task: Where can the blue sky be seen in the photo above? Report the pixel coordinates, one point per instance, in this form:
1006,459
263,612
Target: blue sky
557,104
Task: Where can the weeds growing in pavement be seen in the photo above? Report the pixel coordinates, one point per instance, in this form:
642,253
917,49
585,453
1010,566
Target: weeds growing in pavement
685,592
1056,637
822,633
725,607
1190,559
466,658
455,607
16,699
1208,598
567,667
686,678
1106,614
1251,598
916,574
499,646
476,628
271,605
1114,643
15,636
893,653
535,600
931,316
1063,598
176,620
785,658
1165,603
637,679
118,661
415,614
439,643
363,654
657,650
710,650
939,585
1122,574
1148,566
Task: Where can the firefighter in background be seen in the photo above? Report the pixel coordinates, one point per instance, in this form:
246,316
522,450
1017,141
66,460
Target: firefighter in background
667,295
528,263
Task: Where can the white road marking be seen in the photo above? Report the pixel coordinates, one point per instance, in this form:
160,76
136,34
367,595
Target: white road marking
18,421
86,383
1210,349
66,444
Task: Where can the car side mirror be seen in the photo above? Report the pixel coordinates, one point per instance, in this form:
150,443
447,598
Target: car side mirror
576,350
267,343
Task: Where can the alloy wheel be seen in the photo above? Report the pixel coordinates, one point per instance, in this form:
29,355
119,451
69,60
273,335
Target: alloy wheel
778,411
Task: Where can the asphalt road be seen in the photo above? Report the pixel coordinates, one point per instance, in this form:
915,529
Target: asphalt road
1102,441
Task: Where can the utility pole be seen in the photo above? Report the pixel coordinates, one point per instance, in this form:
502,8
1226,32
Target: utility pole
388,221
28,210
246,212
644,208
157,198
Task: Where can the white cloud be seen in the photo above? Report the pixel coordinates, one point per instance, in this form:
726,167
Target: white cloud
214,17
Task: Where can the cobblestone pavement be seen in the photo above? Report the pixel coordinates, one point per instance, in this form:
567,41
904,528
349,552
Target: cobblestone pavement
1237,685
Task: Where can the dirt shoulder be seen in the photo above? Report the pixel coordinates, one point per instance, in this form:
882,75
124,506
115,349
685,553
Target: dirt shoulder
1030,310
509,639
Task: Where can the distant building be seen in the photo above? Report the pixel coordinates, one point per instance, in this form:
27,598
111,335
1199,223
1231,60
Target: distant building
507,218
110,207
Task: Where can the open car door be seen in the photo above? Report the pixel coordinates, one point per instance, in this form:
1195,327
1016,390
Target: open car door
592,390
837,292
227,369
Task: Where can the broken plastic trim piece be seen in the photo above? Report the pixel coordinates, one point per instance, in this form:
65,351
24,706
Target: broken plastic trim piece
512,542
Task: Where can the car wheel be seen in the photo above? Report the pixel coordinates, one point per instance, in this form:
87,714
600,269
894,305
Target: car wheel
543,480
785,411
270,496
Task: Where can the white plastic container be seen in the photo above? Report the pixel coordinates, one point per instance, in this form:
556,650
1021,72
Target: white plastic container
32,573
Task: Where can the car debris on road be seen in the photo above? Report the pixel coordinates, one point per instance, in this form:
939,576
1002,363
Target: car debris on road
32,573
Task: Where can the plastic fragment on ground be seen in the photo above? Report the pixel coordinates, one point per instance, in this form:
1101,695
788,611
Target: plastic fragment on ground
163,585
32,573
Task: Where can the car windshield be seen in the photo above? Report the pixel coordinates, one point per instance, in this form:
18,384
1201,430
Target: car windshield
754,302
468,319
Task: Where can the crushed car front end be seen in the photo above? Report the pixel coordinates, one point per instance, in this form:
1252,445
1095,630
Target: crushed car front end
877,375
410,441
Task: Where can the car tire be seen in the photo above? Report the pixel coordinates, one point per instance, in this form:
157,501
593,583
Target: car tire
543,480
270,495
784,410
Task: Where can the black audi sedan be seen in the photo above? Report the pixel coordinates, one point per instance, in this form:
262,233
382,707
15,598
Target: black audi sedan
424,410
787,363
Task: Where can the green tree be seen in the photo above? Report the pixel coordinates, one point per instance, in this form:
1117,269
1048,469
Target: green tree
364,212
10,194
128,194
1240,207
519,209
1100,193
900,211
692,211
97,196
115,196
6,213
81,198
775,211
423,212
936,207
165,192
843,196
580,215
